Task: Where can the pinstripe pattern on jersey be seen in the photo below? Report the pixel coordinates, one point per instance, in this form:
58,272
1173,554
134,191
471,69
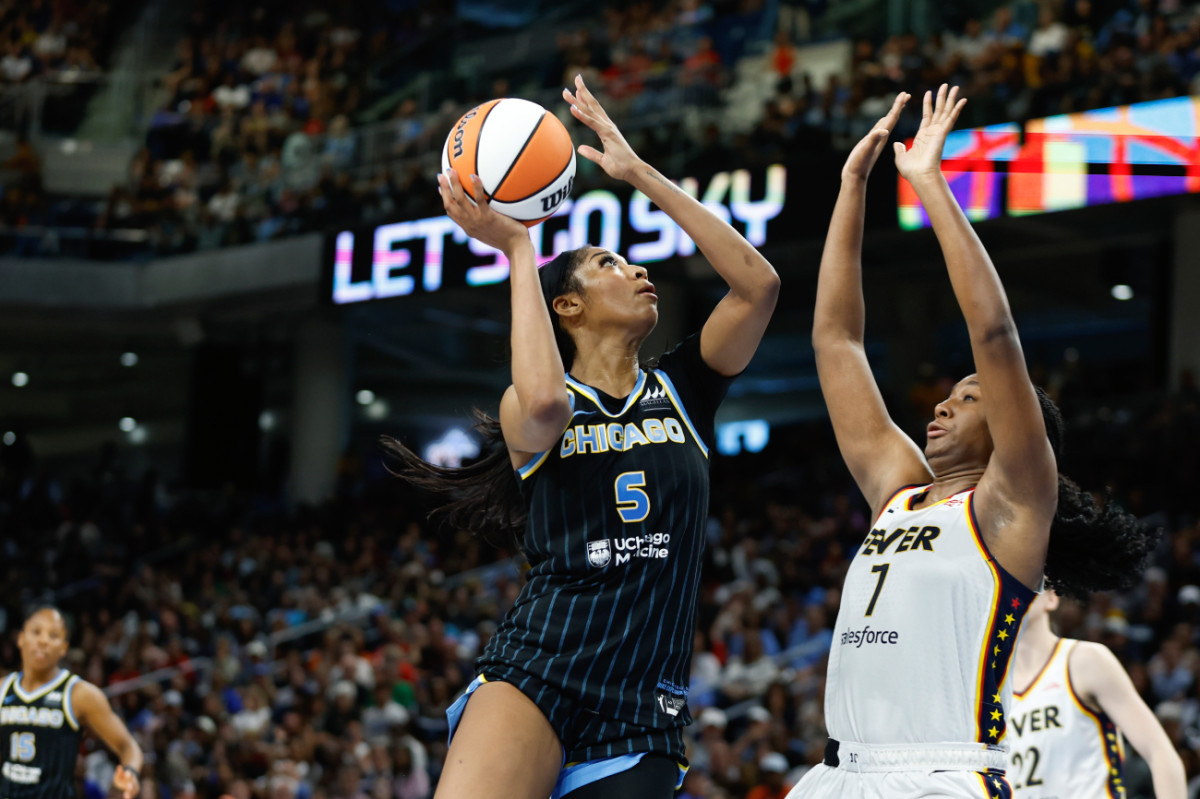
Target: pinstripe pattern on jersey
606,617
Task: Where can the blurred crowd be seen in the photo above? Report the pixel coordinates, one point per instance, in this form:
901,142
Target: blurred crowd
55,38
313,653
262,137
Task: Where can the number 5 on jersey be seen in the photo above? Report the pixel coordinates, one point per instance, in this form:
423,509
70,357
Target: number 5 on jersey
632,501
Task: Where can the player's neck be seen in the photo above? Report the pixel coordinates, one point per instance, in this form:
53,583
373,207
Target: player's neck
609,364
1034,648
32,680
946,485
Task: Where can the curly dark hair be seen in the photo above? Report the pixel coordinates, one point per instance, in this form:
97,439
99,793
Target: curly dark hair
1094,546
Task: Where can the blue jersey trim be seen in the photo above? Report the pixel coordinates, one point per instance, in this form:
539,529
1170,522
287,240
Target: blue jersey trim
40,691
590,393
674,397
537,460
68,704
577,775
455,711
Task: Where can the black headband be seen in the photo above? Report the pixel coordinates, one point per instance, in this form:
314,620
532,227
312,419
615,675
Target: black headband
553,274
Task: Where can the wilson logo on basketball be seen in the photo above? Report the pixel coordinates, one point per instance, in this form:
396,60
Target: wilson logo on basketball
459,131
552,200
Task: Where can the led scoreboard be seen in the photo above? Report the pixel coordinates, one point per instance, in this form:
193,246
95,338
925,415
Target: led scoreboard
422,256
1109,155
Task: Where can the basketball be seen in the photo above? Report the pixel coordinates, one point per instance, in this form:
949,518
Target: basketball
522,153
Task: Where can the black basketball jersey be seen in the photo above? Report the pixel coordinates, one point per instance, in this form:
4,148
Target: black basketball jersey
40,738
614,539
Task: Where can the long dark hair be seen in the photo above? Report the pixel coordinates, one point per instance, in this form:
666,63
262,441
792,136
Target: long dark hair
1093,546
484,497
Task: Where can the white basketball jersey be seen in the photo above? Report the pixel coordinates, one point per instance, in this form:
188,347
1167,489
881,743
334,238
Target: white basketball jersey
925,631
1059,748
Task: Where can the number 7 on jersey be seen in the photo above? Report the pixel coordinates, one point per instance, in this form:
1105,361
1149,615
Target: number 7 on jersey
881,569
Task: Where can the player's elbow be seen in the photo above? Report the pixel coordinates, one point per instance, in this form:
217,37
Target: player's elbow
548,409
831,344
1000,331
768,285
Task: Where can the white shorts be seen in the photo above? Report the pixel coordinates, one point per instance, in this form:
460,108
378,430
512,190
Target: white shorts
900,771
825,782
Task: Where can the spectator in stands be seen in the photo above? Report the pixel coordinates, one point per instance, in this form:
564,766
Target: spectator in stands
771,769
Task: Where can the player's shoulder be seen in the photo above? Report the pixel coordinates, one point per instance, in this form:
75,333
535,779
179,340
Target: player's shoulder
1085,652
1091,666
84,694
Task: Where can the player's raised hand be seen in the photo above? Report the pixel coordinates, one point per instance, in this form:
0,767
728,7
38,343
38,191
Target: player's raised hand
477,218
126,782
617,159
864,155
937,120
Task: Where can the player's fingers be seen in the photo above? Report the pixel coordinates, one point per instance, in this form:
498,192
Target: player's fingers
597,123
581,88
926,107
590,153
958,107
898,148
939,105
449,183
590,103
889,119
570,98
481,197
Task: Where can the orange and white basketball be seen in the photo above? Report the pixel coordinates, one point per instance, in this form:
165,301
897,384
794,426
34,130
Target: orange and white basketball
522,153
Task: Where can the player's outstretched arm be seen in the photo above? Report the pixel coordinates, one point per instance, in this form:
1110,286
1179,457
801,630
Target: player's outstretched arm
879,455
94,712
535,408
1100,680
736,326
1022,473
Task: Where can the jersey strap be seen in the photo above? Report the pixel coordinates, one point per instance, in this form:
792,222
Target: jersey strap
68,703
1010,600
6,685
1110,739
673,395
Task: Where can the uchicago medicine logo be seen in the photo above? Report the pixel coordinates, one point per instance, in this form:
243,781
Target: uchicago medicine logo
599,553
648,545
